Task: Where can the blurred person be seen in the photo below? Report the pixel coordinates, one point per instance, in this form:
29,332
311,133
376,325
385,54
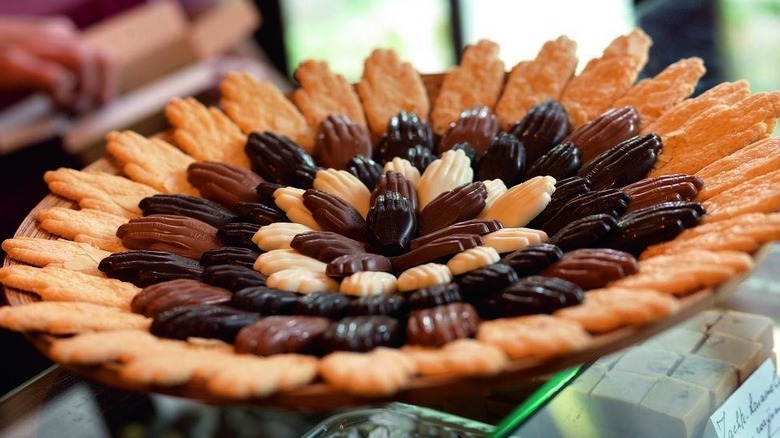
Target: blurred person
48,54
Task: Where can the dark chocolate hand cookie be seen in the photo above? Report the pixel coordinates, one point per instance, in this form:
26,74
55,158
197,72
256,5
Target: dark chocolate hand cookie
274,157
238,234
655,224
585,232
479,227
349,264
592,268
304,176
195,207
326,246
404,130
605,131
530,295
265,300
664,188
365,169
395,182
202,321
436,295
623,164
334,214
611,201
476,126
440,249
394,305
490,278
560,162
504,159
230,255
392,222
144,268
544,126
232,277
332,305
565,190
261,214
419,156
362,333
532,259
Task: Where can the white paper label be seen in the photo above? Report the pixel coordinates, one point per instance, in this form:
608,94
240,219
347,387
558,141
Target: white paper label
753,410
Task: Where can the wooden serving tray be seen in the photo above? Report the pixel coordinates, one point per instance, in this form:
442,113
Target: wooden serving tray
424,390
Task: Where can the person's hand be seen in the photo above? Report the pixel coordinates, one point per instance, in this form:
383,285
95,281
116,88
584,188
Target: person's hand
48,54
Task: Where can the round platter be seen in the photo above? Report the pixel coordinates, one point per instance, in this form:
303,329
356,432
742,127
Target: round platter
422,390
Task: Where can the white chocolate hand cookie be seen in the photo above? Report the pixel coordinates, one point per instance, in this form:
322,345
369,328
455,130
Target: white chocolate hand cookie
520,204
453,169
346,186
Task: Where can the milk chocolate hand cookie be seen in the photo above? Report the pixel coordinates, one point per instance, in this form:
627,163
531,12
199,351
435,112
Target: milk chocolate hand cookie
339,139
224,183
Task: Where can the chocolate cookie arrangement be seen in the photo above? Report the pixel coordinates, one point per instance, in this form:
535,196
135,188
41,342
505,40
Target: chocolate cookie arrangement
595,240
360,229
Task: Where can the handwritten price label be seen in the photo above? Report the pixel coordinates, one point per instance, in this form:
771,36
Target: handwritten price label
753,410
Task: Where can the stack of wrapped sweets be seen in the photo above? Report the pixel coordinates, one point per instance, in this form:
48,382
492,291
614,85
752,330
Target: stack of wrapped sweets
361,237
667,386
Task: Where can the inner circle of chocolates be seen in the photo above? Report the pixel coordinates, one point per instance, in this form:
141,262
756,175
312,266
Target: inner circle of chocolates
423,208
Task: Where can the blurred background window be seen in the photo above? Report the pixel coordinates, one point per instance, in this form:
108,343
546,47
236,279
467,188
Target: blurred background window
342,31
521,27
430,33
753,24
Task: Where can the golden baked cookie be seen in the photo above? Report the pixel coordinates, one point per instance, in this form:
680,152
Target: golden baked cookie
726,93
62,253
758,195
686,271
52,283
605,79
476,81
746,232
753,161
260,106
463,357
380,372
93,227
611,308
532,82
718,132
389,86
63,317
323,93
206,134
99,191
151,161
654,96
533,336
